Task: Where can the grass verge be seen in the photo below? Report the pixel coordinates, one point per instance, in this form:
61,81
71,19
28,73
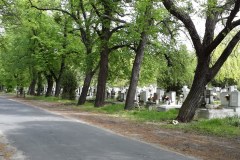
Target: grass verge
227,127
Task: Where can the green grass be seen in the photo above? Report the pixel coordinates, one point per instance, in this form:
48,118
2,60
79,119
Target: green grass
136,114
226,127
151,116
108,109
50,99
112,109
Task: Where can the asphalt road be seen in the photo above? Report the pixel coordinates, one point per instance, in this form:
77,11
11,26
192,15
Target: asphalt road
41,135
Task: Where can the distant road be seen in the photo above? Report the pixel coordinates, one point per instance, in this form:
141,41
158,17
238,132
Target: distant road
41,135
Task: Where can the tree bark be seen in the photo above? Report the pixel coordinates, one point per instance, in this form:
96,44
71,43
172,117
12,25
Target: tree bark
102,78
31,88
86,85
104,53
39,84
135,72
194,98
57,88
58,78
129,104
50,85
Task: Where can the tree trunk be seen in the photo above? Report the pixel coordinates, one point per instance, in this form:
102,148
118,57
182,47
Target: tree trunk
86,85
39,84
135,72
57,87
50,85
31,88
102,78
59,78
194,98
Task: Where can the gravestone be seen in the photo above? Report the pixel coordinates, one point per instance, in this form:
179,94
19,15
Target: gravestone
209,96
113,93
160,94
224,90
185,91
119,95
223,99
231,88
216,93
172,97
216,89
90,91
235,99
122,95
144,95
230,102
180,101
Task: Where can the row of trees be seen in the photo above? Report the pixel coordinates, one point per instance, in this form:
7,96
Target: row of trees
110,40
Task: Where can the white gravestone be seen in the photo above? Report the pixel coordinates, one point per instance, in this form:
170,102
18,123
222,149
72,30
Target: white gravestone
172,97
232,88
185,90
224,90
144,95
216,89
79,91
160,94
235,99
223,99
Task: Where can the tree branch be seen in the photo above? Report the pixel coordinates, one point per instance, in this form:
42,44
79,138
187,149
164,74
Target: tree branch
210,24
222,35
230,25
83,9
97,31
96,68
118,46
187,21
53,74
54,9
114,19
96,10
233,12
227,51
116,29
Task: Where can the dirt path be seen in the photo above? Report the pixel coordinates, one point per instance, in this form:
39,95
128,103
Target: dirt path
202,147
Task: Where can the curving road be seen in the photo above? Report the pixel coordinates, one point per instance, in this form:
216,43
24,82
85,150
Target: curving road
41,135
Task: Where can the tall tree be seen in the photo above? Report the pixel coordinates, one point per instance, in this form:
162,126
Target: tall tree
205,71
50,82
146,20
107,12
